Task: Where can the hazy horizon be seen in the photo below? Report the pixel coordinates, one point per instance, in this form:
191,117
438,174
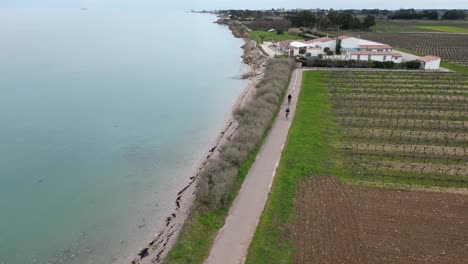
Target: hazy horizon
236,4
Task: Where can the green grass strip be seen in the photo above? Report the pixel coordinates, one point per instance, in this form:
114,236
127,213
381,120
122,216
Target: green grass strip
445,29
309,150
454,67
271,36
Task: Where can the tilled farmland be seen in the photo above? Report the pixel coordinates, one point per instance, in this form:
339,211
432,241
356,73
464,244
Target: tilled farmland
339,223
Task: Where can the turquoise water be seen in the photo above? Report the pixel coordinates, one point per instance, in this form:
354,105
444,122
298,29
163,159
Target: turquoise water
103,117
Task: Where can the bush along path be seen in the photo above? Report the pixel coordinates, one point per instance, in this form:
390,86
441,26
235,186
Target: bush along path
232,241
221,178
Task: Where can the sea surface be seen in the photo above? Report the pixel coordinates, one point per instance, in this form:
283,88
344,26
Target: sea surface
104,115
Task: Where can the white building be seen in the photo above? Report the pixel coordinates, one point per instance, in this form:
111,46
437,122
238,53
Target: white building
429,62
364,55
353,48
322,43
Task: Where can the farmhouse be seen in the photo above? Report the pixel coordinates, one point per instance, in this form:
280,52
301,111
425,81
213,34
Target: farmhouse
353,48
429,62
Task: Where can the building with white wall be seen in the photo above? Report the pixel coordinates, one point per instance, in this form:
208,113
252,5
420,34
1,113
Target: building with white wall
430,62
364,55
353,48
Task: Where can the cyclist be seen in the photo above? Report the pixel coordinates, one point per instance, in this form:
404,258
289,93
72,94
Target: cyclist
287,112
289,99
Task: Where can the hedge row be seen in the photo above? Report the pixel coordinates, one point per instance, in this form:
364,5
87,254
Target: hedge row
217,178
414,65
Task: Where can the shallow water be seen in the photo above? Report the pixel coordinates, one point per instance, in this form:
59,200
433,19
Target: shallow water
103,117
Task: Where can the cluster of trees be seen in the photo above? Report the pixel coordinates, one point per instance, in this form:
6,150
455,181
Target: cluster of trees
426,14
338,20
454,14
413,14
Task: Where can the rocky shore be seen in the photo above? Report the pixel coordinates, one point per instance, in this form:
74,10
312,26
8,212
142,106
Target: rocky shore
252,56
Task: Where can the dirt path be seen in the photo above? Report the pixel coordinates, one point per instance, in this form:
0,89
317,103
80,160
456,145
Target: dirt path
233,240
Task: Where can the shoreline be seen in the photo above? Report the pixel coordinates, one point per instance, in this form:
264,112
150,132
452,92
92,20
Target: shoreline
157,249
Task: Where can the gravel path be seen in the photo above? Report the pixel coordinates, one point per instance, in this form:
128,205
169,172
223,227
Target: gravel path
233,239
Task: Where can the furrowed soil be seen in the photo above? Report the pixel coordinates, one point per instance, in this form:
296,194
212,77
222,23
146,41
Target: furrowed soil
339,223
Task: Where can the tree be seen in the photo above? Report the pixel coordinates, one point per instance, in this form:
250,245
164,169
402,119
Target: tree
330,53
303,19
308,54
454,14
262,38
320,56
338,47
279,31
433,15
368,22
326,49
302,51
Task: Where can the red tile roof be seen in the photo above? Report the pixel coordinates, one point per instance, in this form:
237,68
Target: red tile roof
428,58
344,37
324,39
375,46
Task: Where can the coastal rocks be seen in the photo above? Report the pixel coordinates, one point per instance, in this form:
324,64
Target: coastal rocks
156,249
237,29
253,56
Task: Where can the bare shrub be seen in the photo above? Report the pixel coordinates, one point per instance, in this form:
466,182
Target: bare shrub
216,179
294,31
233,154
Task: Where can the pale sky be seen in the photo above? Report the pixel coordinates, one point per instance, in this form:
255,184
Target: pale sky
240,4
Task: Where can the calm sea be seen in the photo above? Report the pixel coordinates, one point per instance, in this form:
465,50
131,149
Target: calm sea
103,117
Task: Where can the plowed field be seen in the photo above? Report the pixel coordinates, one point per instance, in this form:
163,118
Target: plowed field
336,223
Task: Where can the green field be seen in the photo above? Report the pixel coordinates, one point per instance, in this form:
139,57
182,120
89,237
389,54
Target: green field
449,29
271,36
403,128
402,25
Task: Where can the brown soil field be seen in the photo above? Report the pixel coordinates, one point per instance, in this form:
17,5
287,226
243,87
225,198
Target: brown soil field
338,223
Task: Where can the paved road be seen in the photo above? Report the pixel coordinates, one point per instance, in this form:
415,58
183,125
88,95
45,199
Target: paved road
270,51
407,56
233,240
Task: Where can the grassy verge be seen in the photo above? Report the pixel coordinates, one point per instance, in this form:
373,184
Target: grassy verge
448,29
271,36
454,67
309,150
